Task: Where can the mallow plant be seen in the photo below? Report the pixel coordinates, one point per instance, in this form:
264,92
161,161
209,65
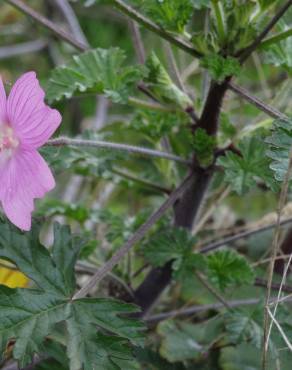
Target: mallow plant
152,231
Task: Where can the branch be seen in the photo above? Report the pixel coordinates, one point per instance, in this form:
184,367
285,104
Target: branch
212,290
147,23
98,144
263,283
23,48
72,20
250,49
47,24
138,235
274,252
256,102
137,41
276,38
245,234
202,308
143,182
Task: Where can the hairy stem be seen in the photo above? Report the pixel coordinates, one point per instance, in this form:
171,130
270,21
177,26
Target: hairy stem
98,144
271,111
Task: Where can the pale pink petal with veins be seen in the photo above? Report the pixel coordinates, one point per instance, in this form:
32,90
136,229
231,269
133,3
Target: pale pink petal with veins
26,124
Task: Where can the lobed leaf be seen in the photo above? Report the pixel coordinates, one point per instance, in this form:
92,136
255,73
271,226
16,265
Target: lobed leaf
28,316
98,71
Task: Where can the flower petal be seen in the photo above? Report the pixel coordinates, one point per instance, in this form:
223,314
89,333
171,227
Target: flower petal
23,178
39,128
34,122
25,98
2,103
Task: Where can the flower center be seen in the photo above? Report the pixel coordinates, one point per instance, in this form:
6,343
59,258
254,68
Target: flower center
8,142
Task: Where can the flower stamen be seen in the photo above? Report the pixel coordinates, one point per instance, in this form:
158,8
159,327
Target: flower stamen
8,140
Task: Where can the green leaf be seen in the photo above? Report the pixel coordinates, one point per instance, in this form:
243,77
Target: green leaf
161,85
220,67
183,341
169,14
157,124
174,245
203,146
279,53
98,71
28,316
279,147
226,268
168,245
242,172
242,327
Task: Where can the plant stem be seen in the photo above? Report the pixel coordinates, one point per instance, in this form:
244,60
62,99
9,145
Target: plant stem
72,20
276,38
217,244
201,308
149,105
22,48
271,111
147,23
274,252
47,23
98,144
187,208
137,41
244,54
143,182
219,15
138,235
213,291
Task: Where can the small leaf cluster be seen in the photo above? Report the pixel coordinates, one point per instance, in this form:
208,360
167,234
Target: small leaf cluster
98,71
242,172
224,268
173,15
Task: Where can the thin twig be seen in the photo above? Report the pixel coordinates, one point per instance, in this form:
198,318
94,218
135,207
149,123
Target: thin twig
230,239
201,308
23,48
213,291
72,20
174,68
137,41
280,329
150,105
271,111
250,49
147,23
143,182
98,144
274,252
47,23
138,235
279,295
276,38
275,286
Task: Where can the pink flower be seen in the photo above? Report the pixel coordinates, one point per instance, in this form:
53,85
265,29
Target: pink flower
26,123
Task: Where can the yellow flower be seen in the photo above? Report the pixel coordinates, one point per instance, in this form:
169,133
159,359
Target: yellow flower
11,277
